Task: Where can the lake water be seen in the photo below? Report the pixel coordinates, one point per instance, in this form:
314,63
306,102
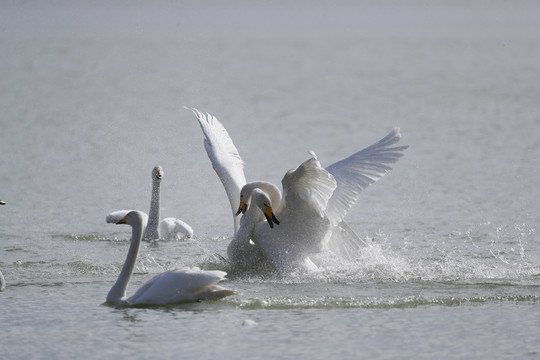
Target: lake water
92,99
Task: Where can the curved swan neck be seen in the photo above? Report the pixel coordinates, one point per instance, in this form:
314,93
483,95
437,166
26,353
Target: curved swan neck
248,222
252,216
118,291
240,245
270,189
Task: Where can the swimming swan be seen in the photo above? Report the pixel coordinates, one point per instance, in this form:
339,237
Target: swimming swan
314,203
2,202
170,287
168,228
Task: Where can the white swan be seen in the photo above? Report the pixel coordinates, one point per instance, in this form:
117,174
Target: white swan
242,251
314,202
168,228
2,202
170,287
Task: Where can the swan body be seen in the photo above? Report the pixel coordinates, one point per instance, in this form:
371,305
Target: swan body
312,205
168,228
2,202
303,227
171,287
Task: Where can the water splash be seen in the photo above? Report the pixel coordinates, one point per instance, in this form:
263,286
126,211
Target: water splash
481,253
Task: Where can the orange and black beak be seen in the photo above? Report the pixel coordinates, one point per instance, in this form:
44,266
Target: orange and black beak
270,217
242,208
123,221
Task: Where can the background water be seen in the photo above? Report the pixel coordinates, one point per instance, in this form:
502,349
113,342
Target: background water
92,99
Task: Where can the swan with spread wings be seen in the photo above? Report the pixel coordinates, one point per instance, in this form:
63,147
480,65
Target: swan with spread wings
309,213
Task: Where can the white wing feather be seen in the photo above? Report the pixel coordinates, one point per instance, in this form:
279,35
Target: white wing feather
224,156
311,183
360,170
180,285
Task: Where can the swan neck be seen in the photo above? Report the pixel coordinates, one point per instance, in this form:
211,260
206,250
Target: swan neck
152,228
270,189
237,221
118,291
247,224
240,245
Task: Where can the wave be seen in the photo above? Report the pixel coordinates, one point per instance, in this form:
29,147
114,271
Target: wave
284,303
88,237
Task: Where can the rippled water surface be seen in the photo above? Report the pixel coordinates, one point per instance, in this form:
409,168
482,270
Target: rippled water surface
92,99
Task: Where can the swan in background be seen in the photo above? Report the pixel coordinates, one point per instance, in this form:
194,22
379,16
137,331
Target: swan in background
168,228
2,202
170,287
314,203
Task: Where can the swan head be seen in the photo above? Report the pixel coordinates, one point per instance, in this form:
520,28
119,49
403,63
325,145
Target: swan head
132,218
242,208
245,196
263,202
157,173
247,191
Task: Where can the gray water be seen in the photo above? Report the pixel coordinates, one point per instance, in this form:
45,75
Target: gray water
92,99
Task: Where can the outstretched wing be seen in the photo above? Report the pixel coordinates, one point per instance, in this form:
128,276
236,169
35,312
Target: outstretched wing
360,170
311,183
224,156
